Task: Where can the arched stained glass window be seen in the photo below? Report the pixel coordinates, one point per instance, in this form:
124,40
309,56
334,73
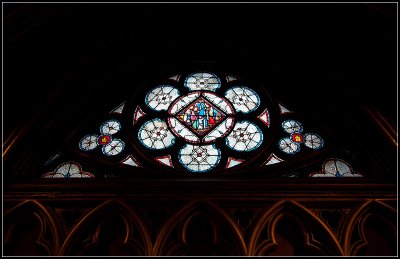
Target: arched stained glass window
336,167
199,122
218,121
69,169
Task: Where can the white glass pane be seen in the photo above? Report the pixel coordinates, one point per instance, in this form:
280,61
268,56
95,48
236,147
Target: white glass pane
182,102
119,109
337,167
181,131
160,98
199,158
245,136
233,162
243,99
292,126
202,81
88,142
113,148
68,169
166,160
155,134
287,146
220,131
283,109
110,127
221,103
273,159
130,160
137,114
313,141
264,117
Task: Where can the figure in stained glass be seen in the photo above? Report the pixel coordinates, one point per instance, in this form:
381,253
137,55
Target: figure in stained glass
201,116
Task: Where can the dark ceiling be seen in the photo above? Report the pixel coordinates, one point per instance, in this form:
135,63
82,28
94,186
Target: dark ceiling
320,57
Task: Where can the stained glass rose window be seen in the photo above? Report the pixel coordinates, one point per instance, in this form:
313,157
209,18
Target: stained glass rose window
200,122
201,114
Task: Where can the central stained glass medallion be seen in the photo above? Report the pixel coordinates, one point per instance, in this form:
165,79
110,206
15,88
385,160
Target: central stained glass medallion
200,116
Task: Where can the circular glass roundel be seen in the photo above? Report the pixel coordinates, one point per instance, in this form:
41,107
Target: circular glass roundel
113,148
161,97
243,99
110,127
313,141
202,81
199,158
155,134
288,146
292,126
245,136
88,142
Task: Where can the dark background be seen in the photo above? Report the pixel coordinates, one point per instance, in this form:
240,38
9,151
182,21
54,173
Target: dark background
329,60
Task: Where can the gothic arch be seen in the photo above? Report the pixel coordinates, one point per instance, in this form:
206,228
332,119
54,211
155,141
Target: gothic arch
37,224
324,243
355,240
220,224
88,235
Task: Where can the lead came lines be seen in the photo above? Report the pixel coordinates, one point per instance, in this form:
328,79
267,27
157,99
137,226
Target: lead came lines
154,134
161,99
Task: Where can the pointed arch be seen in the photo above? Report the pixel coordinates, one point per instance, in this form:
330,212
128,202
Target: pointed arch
269,219
181,220
357,223
97,218
47,224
